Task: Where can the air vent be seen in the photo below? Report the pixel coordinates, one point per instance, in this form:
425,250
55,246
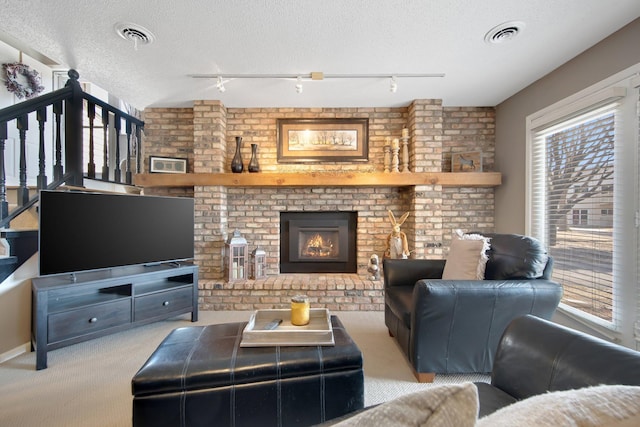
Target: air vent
504,32
134,33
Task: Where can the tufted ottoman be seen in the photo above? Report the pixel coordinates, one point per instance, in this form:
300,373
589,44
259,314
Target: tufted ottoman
200,376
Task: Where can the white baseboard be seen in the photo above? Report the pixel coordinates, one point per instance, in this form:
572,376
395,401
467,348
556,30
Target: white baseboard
8,355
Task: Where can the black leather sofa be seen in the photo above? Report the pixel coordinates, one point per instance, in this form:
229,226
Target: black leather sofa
536,356
453,326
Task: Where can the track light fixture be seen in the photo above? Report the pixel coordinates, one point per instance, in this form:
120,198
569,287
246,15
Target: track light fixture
299,84
220,85
315,76
393,85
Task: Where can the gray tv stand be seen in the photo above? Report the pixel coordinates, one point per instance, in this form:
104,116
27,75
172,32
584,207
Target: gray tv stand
71,308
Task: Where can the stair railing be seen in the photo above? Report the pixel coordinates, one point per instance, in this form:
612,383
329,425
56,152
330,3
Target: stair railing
4,222
67,104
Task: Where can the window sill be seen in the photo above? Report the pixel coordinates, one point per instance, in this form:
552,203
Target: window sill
592,324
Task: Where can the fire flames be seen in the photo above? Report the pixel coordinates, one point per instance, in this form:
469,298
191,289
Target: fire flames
316,246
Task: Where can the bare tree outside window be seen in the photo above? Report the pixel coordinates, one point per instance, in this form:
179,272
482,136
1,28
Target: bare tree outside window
579,188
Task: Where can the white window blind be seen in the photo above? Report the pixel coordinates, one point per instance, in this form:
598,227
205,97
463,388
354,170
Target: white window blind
583,202
635,83
573,184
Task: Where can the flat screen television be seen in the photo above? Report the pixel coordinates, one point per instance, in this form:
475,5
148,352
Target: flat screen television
90,231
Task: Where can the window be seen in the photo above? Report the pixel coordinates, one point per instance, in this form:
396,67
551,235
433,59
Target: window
577,160
580,217
582,200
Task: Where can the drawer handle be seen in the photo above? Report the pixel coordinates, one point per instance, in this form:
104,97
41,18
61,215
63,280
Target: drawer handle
166,303
93,320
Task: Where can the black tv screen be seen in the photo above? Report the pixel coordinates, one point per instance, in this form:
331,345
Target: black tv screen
89,231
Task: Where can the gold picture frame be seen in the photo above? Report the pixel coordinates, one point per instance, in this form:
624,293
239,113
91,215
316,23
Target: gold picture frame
469,161
323,140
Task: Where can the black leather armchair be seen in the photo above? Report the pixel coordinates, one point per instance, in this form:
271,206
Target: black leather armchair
453,326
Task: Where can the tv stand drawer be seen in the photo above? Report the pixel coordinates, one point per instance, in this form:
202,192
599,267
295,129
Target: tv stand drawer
149,306
87,320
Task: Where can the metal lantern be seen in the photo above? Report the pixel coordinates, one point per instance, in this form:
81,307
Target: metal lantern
259,261
236,257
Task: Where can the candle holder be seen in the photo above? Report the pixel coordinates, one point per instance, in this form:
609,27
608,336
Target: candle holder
387,157
405,152
395,160
258,258
236,257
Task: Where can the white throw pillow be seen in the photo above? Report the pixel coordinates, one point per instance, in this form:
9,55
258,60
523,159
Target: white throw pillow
467,257
605,405
451,405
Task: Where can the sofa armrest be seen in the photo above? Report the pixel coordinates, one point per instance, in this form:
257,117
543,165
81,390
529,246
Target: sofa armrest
535,356
456,324
406,272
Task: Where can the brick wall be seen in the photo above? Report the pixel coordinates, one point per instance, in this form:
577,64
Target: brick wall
168,132
206,134
468,129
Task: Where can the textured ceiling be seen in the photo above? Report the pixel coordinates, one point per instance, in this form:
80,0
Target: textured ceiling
300,37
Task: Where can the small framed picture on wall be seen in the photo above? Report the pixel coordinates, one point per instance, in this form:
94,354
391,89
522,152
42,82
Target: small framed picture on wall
167,165
470,161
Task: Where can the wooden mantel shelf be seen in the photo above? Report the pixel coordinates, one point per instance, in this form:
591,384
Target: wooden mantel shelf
321,179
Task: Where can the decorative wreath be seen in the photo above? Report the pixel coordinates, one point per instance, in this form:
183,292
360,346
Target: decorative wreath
17,75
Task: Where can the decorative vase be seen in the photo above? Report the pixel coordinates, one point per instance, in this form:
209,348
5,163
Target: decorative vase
236,164
254,166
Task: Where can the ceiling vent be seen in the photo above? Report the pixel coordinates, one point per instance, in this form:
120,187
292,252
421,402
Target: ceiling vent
504,32
137,34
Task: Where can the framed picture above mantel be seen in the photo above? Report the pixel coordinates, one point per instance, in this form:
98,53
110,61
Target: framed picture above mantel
323,140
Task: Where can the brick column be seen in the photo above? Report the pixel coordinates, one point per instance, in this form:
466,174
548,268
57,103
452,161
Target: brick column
425,129
168,132
471,208
211,216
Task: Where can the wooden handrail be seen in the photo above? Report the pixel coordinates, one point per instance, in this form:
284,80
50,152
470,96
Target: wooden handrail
113,109
68,108
14,111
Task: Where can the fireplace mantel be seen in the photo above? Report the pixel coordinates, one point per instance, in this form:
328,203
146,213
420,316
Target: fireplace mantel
321,179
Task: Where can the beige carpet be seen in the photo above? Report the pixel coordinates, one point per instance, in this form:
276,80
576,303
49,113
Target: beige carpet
89,384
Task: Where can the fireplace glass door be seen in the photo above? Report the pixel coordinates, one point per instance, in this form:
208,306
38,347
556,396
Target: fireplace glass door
318,242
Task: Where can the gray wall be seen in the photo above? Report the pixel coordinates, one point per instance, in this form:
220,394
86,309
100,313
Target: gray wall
615,53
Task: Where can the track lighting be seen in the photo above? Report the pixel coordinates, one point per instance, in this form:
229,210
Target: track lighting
314,76
220,85
393,85
299,84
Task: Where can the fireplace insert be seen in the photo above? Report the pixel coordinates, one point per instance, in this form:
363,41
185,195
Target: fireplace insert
318,242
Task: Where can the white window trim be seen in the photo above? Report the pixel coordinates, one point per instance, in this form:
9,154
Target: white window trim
597,94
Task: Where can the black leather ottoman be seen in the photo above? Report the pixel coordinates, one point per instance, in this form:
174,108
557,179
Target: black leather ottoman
200,376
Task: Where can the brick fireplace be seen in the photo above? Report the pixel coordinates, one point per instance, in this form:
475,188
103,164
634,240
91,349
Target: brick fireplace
205,134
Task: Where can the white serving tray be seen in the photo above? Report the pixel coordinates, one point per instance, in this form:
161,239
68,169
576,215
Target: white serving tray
317,332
